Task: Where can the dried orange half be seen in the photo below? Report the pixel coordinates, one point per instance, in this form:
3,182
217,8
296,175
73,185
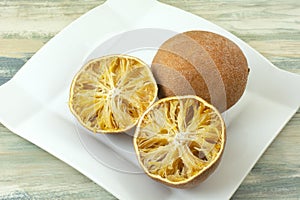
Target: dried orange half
179,140
109,94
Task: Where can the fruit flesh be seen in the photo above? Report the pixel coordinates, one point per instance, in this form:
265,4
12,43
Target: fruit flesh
178,139
111,93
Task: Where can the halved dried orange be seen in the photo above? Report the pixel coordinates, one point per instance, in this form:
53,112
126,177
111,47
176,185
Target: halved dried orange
179,140
109,94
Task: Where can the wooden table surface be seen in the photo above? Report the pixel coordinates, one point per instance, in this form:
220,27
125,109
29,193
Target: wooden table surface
271,27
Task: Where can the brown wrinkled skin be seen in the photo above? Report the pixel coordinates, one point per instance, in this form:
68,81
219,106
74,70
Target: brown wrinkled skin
204,64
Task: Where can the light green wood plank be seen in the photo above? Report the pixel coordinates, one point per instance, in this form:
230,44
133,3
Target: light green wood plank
8,68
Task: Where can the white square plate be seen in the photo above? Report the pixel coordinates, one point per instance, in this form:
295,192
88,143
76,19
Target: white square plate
34,104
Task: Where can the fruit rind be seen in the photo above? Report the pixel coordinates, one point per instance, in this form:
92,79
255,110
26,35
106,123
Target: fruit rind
201,63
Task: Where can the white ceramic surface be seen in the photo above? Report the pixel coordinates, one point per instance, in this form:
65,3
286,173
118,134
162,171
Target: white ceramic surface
34,103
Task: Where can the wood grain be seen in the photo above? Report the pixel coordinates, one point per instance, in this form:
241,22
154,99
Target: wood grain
271,27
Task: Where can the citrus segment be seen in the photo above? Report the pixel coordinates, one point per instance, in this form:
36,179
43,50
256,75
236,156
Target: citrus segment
179,140
109,94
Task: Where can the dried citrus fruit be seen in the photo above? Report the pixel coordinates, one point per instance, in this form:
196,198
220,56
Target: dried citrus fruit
179,140
109,94
204,64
